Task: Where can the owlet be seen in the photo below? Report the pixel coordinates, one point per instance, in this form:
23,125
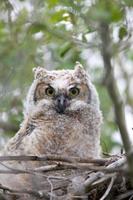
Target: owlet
61,116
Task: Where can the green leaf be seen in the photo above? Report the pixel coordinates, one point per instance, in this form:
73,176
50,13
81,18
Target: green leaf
65,48
104,10
129,3
36,27
122,32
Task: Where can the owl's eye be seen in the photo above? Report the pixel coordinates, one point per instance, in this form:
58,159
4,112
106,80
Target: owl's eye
50,91
73,92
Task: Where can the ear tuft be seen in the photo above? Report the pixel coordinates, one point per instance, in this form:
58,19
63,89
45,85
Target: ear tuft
78,66
79,69
39,72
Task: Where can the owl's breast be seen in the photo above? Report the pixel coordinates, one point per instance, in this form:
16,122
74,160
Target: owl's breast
59,135
72,134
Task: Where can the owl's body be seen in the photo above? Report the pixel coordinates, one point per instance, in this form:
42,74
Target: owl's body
60,134
61,116
75,131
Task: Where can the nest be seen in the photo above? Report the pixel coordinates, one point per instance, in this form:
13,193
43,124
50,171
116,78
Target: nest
72,178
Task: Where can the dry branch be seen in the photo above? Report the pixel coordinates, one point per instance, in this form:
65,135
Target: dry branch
108,189
99,180
38,194
47,157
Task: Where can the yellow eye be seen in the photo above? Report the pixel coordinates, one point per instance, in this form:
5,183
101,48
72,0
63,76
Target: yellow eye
73,92
50,91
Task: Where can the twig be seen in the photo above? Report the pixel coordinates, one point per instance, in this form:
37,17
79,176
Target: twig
113,167
102,180
99,177
110,168
46,168
61,166
11,170
108,189
33,171
124,195
131,198
80,166
53,158
51,188
92,179
39,194
117,164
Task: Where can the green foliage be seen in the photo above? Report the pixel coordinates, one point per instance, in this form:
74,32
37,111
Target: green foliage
122,32
106,10
128,3
54,34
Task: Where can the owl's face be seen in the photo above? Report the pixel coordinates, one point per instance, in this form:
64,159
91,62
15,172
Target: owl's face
60,90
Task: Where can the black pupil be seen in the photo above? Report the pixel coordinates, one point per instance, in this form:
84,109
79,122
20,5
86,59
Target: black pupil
74,91
50,91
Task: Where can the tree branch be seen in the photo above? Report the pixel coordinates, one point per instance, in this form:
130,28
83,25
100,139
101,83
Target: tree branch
106,52
108,189
49,157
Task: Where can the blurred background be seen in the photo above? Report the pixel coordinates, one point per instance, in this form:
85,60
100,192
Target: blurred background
55,34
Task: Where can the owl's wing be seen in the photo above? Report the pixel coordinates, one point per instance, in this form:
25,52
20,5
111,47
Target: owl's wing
25,129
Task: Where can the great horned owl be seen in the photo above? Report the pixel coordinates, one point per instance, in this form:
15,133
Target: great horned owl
61,116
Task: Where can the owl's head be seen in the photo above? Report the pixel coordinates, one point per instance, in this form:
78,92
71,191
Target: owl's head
61,90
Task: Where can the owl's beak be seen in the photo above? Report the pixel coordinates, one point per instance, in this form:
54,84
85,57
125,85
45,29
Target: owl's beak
61,103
